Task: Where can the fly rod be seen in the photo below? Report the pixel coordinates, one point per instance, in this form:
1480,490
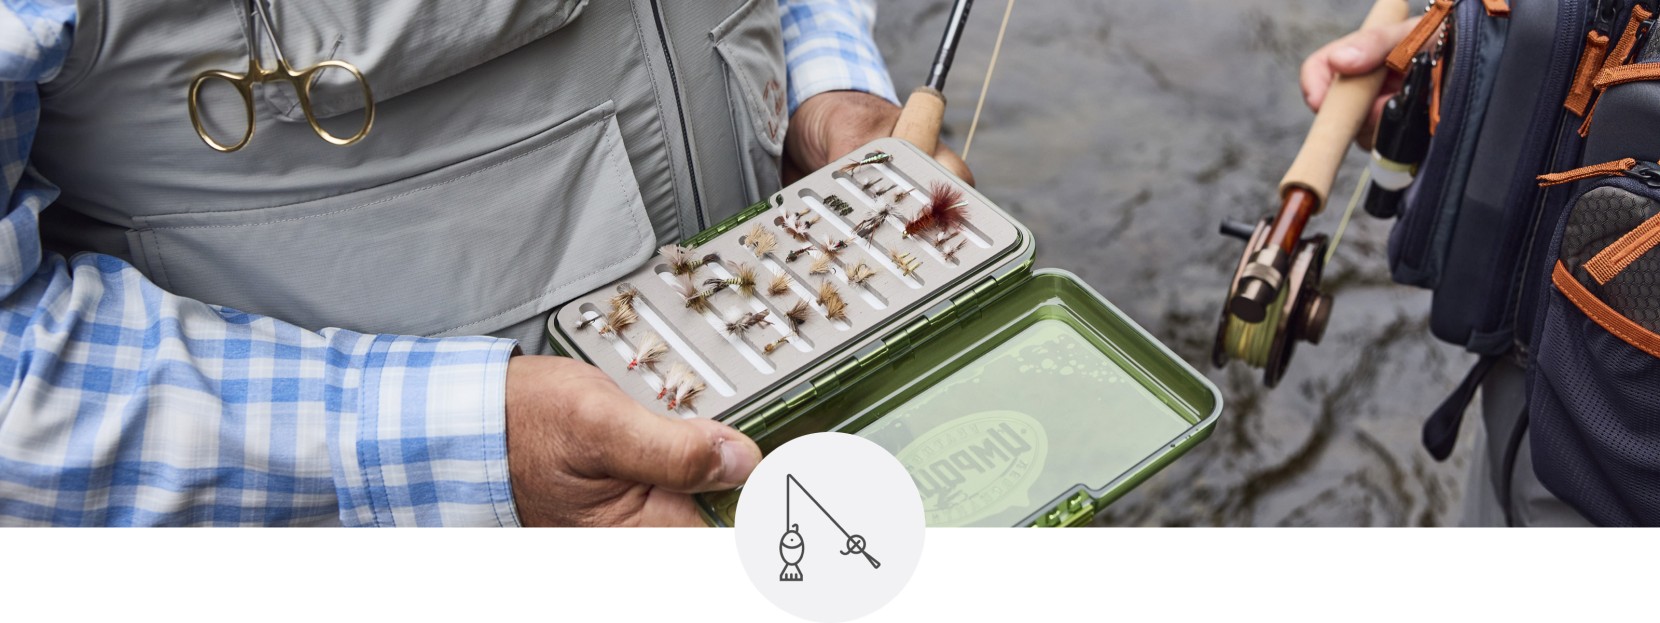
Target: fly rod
924,110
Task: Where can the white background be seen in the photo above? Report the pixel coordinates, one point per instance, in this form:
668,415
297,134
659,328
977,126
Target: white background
694,575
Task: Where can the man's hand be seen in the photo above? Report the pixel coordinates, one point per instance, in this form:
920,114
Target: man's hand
580,452
832,124
1356,54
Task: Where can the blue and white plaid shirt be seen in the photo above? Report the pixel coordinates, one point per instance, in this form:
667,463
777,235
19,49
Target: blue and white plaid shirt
126,405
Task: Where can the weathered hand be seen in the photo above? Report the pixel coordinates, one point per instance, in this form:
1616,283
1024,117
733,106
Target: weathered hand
832,124
1357,53
580,452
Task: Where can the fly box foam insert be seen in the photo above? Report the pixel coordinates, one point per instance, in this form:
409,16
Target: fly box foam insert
1013,396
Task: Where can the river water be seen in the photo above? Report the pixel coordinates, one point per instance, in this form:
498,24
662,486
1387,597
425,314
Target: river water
1121,133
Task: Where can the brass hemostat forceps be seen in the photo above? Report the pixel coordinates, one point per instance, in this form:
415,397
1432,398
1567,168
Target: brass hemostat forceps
1274,300
301,79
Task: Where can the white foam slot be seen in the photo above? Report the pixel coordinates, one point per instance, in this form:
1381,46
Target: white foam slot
749,353
973,234
877,252
779,324
680,346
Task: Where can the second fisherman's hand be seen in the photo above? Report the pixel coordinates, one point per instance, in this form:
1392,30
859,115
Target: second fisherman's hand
830,125
581,452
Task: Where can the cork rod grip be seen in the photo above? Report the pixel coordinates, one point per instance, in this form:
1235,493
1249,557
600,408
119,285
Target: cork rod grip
920,120
1341,115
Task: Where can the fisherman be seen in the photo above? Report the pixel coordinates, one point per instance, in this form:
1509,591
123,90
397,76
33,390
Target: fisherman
289,331
1503,391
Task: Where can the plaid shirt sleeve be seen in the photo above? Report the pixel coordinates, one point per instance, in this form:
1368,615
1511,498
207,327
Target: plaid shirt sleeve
828,46
126,405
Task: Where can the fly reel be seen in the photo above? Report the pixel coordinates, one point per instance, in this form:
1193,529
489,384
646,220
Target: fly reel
1298,313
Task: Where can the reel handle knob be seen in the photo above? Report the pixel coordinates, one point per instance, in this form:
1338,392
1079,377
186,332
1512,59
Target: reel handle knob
1237,229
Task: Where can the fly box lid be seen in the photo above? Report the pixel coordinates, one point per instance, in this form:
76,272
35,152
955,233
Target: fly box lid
883,297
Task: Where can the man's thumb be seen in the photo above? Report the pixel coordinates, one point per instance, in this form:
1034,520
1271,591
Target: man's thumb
688,456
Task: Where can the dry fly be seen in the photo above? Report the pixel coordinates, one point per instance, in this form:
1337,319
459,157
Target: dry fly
741,323
867,186
860,274
680,386
618,320
902,195
951,255
625,296
760,241
945,212
683,261
867,228
792,226
822,265
887,190
907,263
874,158
834,307
696,300
780,285
798,314
649,352
743,278
839,205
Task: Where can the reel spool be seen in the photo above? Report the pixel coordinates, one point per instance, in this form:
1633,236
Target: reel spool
1300,312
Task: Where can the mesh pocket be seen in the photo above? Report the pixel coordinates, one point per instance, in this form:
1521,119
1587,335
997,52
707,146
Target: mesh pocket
1595,392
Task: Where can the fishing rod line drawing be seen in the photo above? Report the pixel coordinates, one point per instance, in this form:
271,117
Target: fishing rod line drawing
792,547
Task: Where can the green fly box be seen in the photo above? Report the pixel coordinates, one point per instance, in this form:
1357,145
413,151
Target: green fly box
1014,396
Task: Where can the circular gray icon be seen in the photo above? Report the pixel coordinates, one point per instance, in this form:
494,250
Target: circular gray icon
830,527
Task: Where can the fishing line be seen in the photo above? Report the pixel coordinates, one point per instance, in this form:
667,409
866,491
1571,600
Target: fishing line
1354,200
985,85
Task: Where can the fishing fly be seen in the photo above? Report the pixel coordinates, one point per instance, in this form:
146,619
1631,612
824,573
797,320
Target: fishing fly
835,307
798,314
684,261
649,352
680,387
618,319
878,157
867,228
907,263
780,285
743,278
945,211
760,241
740,323
860,273
776,344
696,300
841,207
822,265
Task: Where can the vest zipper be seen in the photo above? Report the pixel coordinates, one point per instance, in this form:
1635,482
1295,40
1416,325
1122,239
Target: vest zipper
680,111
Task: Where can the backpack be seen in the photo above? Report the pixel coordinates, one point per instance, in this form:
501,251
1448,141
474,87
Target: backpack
1532,216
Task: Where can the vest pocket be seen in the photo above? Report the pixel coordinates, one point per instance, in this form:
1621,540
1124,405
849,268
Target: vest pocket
752,49
469,248
1595,398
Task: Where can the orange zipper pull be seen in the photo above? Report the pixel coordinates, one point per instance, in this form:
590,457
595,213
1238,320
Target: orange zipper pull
1402,55
1606,169
1497,8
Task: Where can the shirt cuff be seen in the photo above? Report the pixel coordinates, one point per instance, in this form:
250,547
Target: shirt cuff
428,444
828,46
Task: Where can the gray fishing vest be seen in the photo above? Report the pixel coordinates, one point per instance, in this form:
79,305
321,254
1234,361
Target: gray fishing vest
523,152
